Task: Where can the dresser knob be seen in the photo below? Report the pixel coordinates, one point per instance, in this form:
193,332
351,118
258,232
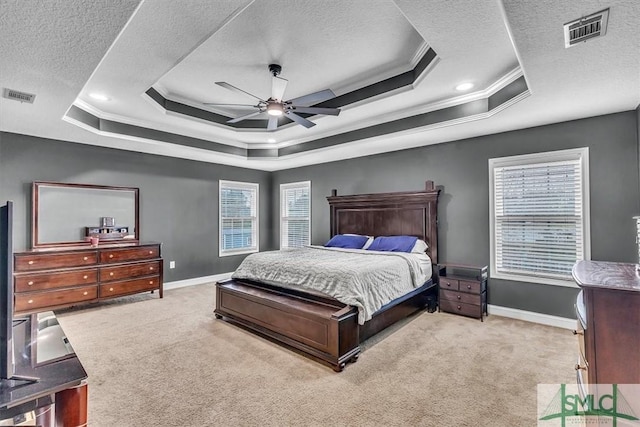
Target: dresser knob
85,258
110,255
150,252
85,293
111,274
459,296
31,262
30,282
30,301
151,282
151,268
578,367
447,283
110,289
85,277
459,308
468,286
574,332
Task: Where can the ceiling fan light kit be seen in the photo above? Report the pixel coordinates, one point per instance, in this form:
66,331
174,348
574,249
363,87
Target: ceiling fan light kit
275,107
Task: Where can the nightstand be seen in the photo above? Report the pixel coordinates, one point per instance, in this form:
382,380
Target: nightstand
463,290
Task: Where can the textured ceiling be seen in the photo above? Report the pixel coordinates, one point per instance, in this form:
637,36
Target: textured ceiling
62,51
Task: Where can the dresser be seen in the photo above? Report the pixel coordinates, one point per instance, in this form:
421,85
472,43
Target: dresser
463,290
608,327
56,278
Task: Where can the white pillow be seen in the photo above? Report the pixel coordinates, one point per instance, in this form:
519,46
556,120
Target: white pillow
367,243
420,247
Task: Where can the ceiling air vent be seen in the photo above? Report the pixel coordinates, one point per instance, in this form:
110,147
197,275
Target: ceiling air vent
586,28
16,95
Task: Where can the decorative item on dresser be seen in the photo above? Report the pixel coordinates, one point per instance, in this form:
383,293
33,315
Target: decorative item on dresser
608,311
463,289
61,277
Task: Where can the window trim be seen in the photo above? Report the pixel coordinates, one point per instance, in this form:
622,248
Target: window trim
581,154
240,186
288,186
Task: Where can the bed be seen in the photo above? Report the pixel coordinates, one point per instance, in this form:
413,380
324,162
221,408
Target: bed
317,325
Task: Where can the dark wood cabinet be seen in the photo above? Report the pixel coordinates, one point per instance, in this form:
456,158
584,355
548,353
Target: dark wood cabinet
608,328
463,290
56,278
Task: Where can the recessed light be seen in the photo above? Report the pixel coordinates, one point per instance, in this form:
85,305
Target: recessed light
271,140
99,96
464,86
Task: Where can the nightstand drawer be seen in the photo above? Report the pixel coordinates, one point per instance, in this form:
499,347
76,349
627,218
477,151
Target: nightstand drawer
461,308
447,283
469,286
466,298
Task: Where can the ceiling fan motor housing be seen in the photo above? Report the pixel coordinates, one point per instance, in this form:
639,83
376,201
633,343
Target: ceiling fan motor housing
275,69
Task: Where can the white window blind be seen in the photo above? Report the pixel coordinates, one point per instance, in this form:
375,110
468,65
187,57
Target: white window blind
295,214
539,215
238,218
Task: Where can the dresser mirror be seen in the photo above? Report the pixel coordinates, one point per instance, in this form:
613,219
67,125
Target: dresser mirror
67,214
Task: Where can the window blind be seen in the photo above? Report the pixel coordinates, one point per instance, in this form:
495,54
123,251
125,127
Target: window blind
539,218
238,217
295,214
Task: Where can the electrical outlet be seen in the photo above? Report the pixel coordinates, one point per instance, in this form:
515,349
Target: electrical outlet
172,264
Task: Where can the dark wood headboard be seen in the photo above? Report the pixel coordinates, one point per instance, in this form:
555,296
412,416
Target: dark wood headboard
409,213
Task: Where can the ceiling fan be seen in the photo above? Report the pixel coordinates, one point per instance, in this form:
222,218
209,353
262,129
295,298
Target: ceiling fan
276,107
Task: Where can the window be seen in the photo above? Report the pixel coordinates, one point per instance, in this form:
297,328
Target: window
295,214
238,218
539,215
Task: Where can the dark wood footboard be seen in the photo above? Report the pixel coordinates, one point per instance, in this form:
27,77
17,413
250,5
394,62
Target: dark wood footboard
323,329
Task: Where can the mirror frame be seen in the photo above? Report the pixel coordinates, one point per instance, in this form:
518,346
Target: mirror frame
35,213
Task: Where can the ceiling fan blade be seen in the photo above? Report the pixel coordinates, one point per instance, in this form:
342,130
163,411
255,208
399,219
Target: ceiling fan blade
246,116
273,123
313,98
278,86
235,89
213,104
300,120
317,110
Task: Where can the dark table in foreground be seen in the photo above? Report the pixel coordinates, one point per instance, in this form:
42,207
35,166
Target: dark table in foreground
42,351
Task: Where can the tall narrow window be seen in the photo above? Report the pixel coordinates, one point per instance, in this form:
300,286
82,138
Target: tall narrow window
295,214
539,215
238,218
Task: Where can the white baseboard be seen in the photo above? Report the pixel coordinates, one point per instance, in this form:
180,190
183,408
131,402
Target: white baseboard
196,281
530,316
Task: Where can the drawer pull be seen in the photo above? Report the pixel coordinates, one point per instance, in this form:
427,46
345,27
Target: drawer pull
30,301
579,367
468,286
85,258
30,282
459,296
151,268
151,282
574,332
111,274
85,277
459,308
447,283
110,255
110,289
150,252
31,262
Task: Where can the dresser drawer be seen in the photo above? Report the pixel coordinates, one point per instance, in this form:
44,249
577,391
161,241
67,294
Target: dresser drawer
125,287
129,270
32,262
461,297
129,254
37,300
469,286
61,279
447,283
461,308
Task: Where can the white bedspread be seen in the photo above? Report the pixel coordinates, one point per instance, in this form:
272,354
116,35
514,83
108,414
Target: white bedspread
363,279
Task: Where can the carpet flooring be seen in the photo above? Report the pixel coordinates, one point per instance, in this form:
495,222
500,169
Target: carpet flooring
169,362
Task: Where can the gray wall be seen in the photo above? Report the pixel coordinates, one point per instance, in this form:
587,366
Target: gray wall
461,167
178,198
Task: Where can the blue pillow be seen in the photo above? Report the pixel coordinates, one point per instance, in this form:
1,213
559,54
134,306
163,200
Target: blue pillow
348,242
393,243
